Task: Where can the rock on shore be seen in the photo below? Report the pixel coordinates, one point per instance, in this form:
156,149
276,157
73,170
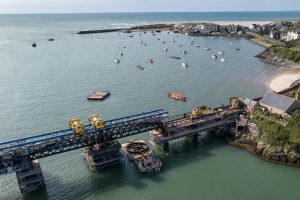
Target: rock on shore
271,57
255,145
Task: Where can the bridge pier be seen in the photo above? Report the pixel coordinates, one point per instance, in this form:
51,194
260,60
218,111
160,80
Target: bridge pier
103,155
31,179
194,137
166,146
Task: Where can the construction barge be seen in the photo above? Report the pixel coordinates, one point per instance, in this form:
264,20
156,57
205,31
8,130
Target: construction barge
98,96
142,156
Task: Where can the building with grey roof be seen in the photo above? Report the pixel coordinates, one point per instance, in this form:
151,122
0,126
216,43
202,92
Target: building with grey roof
279,104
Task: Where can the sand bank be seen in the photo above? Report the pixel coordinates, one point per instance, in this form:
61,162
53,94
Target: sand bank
285,78
243,23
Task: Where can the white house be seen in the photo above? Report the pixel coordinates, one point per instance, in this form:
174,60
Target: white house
293,35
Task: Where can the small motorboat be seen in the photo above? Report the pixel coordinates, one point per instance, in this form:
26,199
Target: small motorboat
33,44
121,54
131,36
180,45
164,42
214,56
117,61
206,48
184,52
51,39
238,49
140,67
198,46
175,57
177,96
165,49
220,52
184,65
151,61
223,60
191,43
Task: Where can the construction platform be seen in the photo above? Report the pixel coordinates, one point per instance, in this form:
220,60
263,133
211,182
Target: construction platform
31,179
104,155
98,95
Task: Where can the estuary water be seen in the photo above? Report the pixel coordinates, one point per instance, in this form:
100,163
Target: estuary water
42,88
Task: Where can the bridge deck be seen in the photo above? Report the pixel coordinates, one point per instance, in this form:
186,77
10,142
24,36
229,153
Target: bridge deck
68,132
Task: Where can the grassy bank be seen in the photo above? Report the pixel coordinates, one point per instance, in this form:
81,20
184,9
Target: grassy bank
278,134
288,53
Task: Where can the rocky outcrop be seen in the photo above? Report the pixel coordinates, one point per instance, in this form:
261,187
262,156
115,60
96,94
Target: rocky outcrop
255,145
271,57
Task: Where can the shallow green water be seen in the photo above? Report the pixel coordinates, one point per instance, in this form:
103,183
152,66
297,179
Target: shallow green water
41,88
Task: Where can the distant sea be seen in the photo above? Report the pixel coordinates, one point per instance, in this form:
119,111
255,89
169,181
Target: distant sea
117,20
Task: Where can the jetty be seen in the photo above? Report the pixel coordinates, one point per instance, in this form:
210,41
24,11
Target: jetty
100,31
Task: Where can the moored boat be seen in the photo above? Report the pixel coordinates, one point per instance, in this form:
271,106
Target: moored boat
177,96
142,156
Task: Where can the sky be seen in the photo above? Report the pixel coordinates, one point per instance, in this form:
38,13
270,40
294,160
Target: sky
87,6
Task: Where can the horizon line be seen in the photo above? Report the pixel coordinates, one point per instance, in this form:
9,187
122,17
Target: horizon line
125,12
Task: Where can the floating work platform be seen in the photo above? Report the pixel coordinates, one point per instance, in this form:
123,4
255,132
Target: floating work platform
31,179
98,95
104,155
142,156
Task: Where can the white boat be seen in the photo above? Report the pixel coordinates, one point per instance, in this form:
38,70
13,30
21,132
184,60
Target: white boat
214,56
230,43
192,38
186,33
165,49
223,60
184,51
184,65
172,39
206,48
220,52
117,61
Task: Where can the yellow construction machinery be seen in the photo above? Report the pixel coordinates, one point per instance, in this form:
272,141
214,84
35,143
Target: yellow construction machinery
96,121
77,126
201,111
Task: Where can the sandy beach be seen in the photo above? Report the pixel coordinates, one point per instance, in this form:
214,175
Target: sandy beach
285,78
243,23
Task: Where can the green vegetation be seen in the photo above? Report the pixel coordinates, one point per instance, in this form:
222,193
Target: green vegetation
289,53
298,93
296,25
278,134
266,40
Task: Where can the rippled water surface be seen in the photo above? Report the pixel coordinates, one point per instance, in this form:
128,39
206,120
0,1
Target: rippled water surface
41,88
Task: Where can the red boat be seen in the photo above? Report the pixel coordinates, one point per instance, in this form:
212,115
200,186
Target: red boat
177,96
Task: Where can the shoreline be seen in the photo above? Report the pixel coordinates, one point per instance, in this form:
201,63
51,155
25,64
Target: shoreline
284,78
252,150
